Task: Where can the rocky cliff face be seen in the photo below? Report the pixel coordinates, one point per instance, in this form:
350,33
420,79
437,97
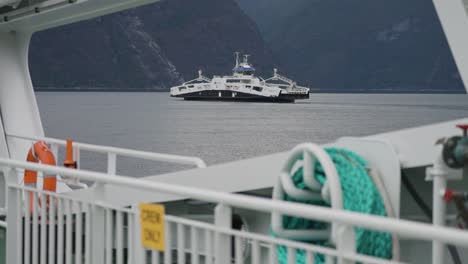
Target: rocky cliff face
359,45
151,47
334,45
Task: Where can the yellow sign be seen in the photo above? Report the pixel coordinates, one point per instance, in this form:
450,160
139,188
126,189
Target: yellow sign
152,226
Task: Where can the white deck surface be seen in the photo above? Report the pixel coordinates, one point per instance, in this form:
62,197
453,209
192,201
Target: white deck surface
262,172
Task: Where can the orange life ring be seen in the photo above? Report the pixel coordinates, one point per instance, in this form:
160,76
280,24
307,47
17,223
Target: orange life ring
40,151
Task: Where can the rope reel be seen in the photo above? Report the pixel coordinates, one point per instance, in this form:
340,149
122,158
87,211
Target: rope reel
330,177
308,189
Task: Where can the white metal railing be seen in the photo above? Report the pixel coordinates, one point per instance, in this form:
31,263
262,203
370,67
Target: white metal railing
102,223
261,248
113,152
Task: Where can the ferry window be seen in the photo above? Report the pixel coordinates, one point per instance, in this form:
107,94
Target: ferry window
232,81
248,86
246,81
258,89
182,88
190,86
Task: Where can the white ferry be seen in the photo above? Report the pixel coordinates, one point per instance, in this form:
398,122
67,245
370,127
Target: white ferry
242,85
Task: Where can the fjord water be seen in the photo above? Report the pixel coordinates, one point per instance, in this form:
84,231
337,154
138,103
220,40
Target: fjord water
227,131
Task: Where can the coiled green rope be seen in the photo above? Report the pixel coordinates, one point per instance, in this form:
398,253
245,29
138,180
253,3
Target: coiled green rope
359,195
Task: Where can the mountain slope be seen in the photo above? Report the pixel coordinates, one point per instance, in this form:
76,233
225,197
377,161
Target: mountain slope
150,47
369,45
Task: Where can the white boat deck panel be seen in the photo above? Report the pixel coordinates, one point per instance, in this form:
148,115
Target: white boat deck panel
262,172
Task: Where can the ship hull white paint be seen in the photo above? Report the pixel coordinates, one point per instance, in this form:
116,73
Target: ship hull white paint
227,95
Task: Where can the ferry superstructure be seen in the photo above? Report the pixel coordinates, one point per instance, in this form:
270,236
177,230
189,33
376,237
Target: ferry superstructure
229,212
242,85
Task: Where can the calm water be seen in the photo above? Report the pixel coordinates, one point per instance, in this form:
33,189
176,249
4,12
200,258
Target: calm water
225,131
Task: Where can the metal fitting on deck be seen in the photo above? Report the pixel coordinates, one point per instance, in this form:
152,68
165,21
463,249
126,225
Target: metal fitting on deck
455,150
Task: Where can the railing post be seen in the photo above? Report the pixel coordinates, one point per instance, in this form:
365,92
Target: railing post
3,191
346,242
438,173
111,163
223,218
98,227
139,251
14,220
77,155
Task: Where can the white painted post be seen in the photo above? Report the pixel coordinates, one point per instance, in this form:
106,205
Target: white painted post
109,234
43,229
194,245
68,231
77,155
3,191
119,236
60,227
111,163
256,253
208,247
35,231
97,228
139,251
14,243
346,242
87,209
438,175
223,218
78,232
168,242
273,256
310,258
180,243
130,231
52,241
154,257
239,258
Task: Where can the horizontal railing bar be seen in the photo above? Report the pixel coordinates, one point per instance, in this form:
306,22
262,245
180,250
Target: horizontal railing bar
72,198
187,160
59,179
403,228
277,241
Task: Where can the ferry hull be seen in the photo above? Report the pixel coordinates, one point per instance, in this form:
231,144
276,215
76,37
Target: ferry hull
223,95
